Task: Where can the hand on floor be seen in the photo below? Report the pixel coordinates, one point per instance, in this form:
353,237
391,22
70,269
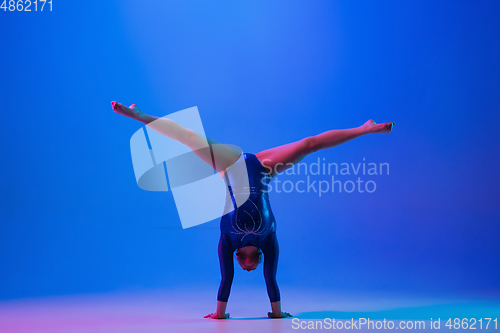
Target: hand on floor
215,316
283,315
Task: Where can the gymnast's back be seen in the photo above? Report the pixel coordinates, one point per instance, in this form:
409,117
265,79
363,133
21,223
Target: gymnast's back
250,221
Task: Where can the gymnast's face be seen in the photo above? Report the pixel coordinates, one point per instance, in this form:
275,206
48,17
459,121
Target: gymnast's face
248,265
249,261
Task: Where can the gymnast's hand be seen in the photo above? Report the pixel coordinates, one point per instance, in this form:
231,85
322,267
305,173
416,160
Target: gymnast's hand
276,315
216,316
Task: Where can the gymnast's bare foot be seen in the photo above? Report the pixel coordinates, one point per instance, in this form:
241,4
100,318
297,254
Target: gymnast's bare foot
372,127
132,111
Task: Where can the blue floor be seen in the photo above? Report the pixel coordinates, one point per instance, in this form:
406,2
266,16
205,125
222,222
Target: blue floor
183,310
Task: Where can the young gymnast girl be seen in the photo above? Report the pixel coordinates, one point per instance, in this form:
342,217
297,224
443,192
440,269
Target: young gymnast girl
249,229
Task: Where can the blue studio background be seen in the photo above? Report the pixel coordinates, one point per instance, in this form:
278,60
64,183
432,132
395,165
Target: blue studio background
262,74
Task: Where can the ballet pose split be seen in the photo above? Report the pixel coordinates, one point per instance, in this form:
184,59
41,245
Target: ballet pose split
250,229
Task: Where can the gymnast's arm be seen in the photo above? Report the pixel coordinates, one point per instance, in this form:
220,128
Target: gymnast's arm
271,254
227,272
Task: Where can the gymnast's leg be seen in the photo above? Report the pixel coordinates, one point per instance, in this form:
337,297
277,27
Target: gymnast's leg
169,128
280,158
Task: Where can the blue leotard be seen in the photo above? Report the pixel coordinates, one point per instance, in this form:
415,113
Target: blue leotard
252,223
